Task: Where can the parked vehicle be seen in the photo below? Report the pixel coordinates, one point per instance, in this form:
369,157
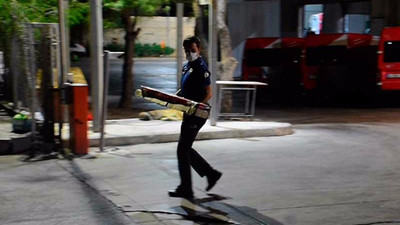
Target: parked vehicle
339,63
346,65
275,61
389,59
77,51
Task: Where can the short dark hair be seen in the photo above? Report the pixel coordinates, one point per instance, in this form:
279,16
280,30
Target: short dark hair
190,40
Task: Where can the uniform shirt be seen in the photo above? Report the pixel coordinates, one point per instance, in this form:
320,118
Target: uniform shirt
195,79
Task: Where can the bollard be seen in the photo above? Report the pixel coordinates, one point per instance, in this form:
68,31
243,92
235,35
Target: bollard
78,112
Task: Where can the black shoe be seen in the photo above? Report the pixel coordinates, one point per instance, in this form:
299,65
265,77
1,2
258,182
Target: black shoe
177,193
212,179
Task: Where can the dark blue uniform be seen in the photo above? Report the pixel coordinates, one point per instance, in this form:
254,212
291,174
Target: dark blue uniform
195,79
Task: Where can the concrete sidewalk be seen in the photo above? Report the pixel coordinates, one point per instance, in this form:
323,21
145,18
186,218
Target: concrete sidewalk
106,187
135,131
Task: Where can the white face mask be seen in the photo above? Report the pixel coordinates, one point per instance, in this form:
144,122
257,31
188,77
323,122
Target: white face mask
192,56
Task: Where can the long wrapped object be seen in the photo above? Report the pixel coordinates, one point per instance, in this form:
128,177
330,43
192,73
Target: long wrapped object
174,102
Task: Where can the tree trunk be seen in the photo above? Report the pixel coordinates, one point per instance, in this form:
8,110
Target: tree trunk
127,73
200,28
228,63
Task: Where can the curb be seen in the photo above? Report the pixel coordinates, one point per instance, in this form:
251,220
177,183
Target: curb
285,129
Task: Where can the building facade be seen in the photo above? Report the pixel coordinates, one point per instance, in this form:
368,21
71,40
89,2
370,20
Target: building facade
294,18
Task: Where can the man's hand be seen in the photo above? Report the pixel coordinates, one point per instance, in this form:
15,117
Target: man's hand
193,107
178,92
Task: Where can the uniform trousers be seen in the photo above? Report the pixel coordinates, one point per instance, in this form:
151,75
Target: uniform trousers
187,156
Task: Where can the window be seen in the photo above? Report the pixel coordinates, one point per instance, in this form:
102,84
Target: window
313,18
391,51
332,55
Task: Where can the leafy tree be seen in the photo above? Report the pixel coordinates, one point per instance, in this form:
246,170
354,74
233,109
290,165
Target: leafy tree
10,21
129,11
78,13
14,14
227,63
11,17
78,20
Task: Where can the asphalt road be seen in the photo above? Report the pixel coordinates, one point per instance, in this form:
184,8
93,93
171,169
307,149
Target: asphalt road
152,72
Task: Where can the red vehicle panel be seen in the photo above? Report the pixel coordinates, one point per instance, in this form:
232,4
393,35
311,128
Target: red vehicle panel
252,70
267,42
388,59
332,50
249,70
292,42
275,61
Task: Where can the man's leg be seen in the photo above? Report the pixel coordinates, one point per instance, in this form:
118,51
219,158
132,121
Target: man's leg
189,130
200,165
203,168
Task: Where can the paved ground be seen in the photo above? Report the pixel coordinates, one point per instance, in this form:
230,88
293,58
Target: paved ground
343,173
340,166
44,193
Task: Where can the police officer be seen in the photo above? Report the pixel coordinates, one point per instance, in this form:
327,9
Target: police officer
196,86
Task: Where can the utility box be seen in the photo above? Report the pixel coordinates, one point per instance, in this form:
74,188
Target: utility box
77,100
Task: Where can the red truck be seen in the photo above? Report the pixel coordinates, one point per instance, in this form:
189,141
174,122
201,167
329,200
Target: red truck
275,61
348,64
389,59
339,63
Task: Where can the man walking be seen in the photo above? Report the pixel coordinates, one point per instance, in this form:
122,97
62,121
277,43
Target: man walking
196,86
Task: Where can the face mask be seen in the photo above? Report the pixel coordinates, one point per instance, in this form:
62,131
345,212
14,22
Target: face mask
192,56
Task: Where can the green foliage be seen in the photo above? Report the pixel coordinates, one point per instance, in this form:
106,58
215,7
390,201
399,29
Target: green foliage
78,13
147,50
11,24
141,50
136,7
11,17
42,11
113,9
114,47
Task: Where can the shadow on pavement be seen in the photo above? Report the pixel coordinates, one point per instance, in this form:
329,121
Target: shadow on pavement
103,210
209,210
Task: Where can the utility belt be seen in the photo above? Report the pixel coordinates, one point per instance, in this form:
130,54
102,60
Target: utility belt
174,102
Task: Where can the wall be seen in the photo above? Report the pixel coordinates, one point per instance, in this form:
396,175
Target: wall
154,30
333,18
289,17
280,18
384,13
251,19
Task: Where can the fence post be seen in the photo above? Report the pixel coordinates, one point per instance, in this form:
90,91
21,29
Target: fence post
105,98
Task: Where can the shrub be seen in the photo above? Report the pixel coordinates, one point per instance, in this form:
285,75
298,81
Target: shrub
114,47
141,50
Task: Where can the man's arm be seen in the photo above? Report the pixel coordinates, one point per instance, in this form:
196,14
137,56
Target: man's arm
208,94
